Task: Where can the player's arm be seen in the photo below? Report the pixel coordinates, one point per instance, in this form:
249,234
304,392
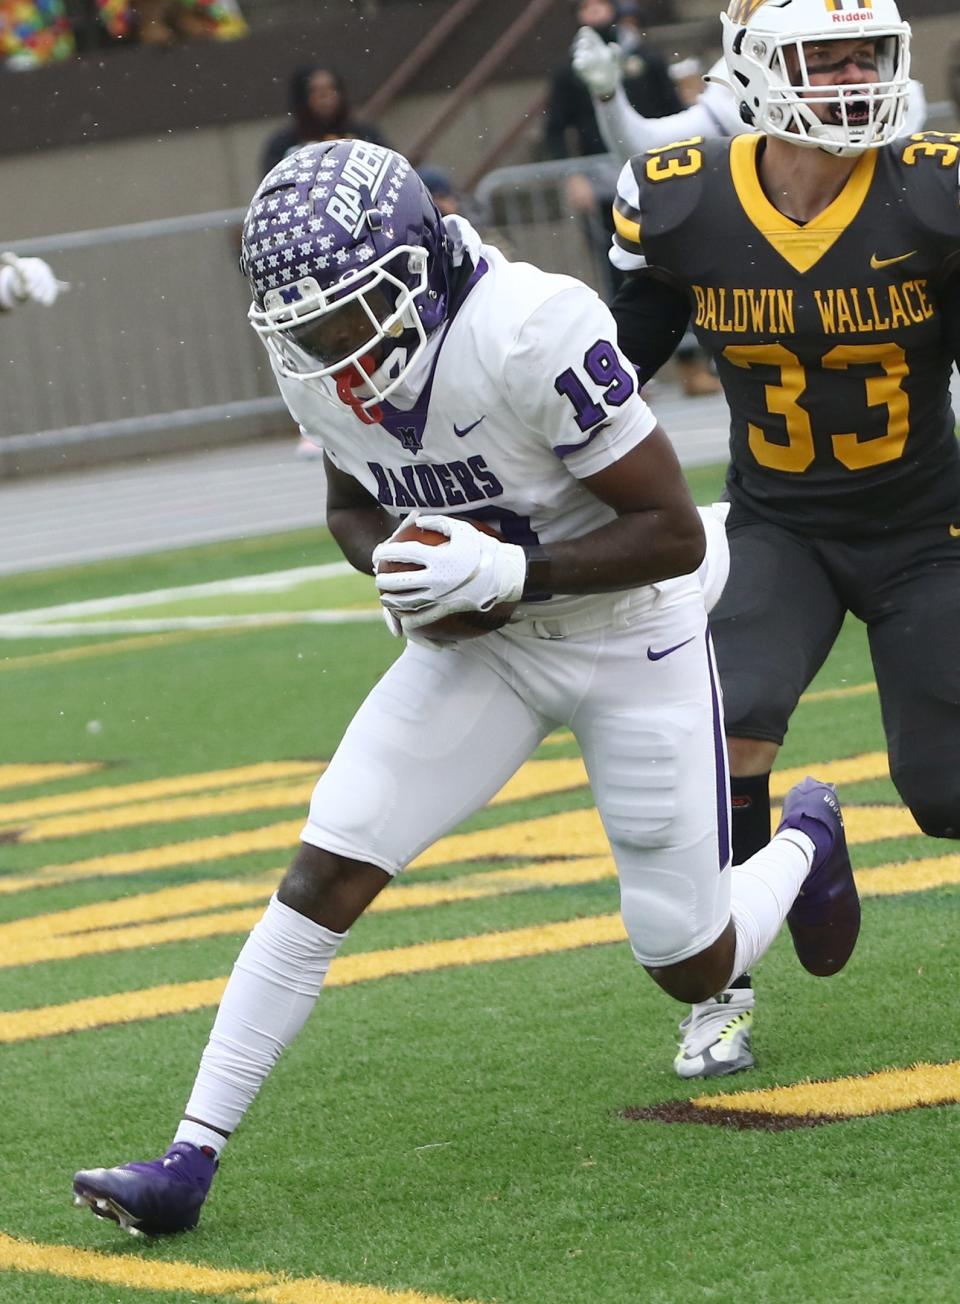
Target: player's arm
354,517
657,534
625,131
651,310
573,387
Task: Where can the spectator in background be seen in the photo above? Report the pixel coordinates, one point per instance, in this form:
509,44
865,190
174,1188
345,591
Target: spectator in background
33,33
572,130
163,22
321,110
25,279
645,79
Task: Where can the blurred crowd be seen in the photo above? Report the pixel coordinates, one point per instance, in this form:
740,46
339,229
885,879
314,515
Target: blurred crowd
34,33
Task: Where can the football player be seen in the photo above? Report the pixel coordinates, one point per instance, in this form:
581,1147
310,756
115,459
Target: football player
820,258
447,383
716,111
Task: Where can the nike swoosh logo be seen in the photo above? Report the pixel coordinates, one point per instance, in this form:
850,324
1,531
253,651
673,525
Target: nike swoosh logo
658,656
466,429
876,263
955,531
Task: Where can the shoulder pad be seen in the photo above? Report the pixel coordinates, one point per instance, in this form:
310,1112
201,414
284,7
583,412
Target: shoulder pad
659,189
928,163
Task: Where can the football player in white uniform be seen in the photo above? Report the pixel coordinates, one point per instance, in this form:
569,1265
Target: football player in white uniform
715,113
444,381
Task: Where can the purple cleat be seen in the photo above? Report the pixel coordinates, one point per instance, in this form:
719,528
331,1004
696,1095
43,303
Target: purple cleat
155,1198
824,920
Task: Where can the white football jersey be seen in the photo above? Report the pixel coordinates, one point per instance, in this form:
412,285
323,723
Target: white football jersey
519,396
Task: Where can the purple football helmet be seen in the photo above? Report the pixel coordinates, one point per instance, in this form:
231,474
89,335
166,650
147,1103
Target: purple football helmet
349,268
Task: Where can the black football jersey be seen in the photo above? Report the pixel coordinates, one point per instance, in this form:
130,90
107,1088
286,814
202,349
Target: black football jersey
827,335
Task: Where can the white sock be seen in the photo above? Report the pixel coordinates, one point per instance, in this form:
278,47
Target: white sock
274,986
762,890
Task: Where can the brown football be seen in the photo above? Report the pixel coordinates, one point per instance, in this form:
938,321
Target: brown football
462,624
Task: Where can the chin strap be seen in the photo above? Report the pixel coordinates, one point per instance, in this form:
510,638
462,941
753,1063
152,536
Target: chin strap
349,380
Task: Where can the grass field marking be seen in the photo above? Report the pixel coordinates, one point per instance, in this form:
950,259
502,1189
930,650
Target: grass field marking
849,769
885,1092
838,694
122,794
268,582
174,624
570,833
209,909
217,907
172,810
108,648
146,1274
180,998
24,774
535,779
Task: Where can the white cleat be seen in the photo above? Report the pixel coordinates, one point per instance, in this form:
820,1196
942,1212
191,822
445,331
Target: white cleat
716,1036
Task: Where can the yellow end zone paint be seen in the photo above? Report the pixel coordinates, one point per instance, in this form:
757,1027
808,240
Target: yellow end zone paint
20,776
142,1273
875,1093
536,778
123,794
179,998
216,907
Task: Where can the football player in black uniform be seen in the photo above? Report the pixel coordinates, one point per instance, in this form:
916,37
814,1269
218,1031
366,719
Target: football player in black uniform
820,259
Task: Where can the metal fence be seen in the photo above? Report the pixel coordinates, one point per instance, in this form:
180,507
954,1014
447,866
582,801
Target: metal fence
151,337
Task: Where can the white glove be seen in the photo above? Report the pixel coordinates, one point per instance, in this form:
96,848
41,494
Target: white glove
596,62
715,567
472,571
27,278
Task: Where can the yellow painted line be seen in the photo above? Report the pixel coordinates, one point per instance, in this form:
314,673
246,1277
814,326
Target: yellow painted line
536,778
21,775
171,810
198,851
144,1273
838,694
217,907
153,789
109,648
179,998
875,1093
552,837
169,915
852,769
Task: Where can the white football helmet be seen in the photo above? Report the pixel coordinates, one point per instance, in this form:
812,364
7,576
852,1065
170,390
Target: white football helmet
758,34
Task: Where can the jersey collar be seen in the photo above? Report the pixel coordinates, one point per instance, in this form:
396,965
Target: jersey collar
800,246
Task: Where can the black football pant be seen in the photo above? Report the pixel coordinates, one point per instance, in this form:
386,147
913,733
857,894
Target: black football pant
781,612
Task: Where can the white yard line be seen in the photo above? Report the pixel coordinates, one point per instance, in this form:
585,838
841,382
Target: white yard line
271,582
70,629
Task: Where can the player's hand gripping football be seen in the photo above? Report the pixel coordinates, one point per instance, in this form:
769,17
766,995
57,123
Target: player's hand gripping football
472,571
596,62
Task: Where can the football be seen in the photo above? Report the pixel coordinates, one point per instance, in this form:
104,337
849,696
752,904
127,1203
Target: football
462,624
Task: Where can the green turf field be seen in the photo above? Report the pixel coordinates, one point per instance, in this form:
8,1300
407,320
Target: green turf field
449,1126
